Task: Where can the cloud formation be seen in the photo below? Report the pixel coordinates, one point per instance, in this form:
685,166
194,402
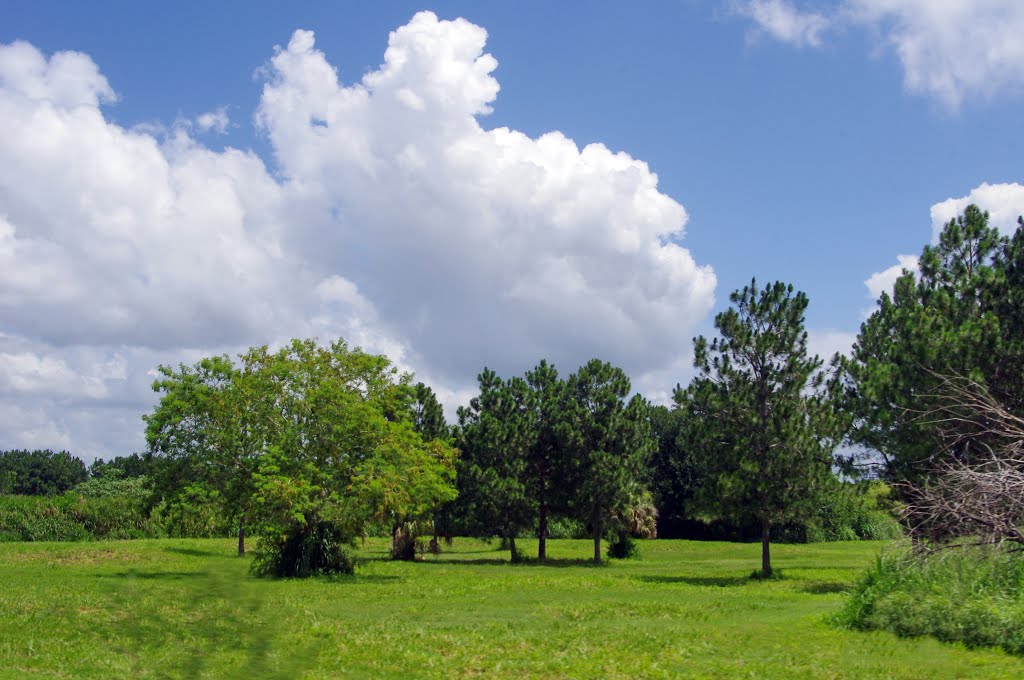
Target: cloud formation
783,21
1004,203
949,49
390,216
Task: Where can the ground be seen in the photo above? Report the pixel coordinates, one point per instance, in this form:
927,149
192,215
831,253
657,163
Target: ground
189,608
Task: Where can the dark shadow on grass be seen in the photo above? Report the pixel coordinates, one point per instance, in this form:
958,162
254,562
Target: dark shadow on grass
157,575
192,552
705,581
497,561
826,588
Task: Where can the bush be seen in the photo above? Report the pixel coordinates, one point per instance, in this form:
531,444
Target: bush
320,552
854,512
567,527
973,596
73,517
622,547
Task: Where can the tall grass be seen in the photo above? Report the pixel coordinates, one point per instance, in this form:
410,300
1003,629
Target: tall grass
974,596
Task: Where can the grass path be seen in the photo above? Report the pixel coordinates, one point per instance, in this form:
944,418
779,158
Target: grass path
188,608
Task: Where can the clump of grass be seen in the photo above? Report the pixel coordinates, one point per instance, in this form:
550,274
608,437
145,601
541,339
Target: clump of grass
973,596
773,575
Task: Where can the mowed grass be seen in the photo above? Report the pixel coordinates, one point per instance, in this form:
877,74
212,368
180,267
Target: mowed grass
189,608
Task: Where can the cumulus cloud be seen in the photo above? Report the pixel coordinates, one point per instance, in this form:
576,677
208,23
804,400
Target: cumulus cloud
885,280
784,22
390,217
949,49
826,343
1004,203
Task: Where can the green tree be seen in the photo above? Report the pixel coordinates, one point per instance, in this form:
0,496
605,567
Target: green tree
546,456
675,472
611,442
206,430
340,451
497,430
769,428
959,317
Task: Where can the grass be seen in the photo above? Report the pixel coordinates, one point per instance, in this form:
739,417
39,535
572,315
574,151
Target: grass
189,608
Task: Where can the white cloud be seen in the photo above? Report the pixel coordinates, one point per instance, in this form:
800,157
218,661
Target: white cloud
1004,203
783,21
885,280
215,121
826,343
949,49
399,223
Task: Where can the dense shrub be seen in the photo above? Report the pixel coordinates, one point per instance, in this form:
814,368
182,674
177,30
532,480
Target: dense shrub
323,551
622,546
567,527
855,512
98,513
73,517
971,596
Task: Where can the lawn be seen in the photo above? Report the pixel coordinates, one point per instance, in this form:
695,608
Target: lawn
188,608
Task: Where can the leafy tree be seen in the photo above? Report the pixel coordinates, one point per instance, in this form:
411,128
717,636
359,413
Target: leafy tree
496,431
768,429
339,450
124,467
40,472
206,429
675,472
611,441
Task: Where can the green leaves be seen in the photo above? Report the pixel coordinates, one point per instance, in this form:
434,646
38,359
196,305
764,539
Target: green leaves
302,436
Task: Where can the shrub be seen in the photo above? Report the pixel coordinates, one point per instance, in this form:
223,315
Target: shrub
622,547
320,552
567,527
973,596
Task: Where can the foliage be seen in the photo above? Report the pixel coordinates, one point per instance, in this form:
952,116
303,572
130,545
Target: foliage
764,425
971,596
73,517
323,551
675,472
962,316
611,442
339,450
850,512
496,431
40,472
623,547
126,467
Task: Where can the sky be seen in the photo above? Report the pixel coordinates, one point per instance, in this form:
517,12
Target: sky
461,185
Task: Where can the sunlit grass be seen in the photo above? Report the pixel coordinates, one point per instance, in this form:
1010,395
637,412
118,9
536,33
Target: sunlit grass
189,608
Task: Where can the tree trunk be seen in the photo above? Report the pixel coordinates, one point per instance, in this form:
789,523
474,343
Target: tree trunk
241,536
597,542
766,558
512,548
542,545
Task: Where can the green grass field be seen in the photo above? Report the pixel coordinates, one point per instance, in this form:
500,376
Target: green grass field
189,608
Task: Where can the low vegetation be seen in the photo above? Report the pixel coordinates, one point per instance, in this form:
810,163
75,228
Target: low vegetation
191,609
973,596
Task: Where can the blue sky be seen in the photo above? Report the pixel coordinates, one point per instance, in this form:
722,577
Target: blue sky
808,142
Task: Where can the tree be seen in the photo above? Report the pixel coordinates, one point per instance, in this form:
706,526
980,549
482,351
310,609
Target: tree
768,428
546,455
206,430
960,317
675,472
611,441
496,432
340,451
40,472
307,443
